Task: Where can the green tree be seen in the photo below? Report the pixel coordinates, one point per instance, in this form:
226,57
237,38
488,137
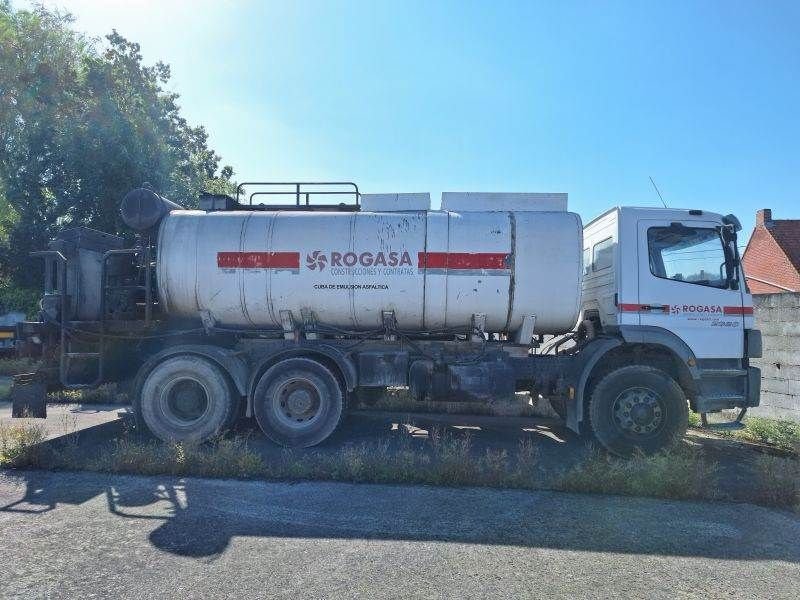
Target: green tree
81,124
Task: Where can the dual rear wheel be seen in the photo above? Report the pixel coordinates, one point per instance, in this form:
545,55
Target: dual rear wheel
298,402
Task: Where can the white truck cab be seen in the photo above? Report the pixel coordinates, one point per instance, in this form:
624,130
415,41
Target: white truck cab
673,278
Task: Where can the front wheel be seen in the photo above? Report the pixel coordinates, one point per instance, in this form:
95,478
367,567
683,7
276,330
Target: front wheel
298,402
637,408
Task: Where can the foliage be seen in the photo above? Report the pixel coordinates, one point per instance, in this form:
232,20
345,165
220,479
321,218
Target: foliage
21,445
15,298
679,472
780,433
778,481
80,126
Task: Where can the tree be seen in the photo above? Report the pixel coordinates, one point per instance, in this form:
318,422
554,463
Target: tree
80,126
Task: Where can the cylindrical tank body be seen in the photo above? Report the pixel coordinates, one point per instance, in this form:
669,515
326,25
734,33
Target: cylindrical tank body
434,269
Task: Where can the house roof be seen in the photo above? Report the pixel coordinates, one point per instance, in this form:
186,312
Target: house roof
772,255
787,233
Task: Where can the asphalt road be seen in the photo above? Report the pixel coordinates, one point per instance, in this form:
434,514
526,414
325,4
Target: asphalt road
87,535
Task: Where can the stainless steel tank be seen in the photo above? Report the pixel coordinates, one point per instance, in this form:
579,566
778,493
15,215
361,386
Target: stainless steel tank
434,269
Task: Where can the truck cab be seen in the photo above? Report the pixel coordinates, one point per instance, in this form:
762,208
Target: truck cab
670,281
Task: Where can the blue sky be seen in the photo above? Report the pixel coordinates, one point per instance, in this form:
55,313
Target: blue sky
588,98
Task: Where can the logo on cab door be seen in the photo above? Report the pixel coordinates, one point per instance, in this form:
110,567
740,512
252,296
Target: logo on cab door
705,309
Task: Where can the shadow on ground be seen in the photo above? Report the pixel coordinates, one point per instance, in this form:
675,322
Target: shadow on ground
198,517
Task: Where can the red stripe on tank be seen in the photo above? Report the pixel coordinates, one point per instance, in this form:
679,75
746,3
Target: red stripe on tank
463,260
258,260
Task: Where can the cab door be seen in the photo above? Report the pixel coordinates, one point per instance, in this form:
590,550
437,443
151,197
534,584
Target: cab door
687,287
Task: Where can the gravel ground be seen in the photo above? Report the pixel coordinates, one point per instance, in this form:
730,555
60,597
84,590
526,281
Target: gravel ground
87,535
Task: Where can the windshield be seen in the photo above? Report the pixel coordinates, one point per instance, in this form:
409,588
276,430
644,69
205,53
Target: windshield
689,254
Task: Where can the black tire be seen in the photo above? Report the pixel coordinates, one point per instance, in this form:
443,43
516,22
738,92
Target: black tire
186,398
637,408
298,403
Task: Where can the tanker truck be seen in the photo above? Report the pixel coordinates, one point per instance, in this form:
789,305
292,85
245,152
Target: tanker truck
287,310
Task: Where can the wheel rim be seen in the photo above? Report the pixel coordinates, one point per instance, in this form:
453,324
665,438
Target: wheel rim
185,401
297,403
639,411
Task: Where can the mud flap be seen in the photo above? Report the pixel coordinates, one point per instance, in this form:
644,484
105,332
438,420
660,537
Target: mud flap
29,396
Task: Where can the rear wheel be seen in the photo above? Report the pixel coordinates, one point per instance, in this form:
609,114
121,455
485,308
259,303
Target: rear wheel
637,408
186,398
298,402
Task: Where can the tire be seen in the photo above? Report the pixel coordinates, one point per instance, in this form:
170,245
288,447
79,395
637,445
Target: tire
637,408
186,398
298,403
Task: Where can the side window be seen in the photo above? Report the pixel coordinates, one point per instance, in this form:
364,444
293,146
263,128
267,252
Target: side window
603,254
587,260
689,254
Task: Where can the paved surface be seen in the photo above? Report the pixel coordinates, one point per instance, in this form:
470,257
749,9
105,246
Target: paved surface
69,419
86,535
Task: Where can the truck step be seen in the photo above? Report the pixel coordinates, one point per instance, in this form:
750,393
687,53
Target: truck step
723,373
726,426
730,397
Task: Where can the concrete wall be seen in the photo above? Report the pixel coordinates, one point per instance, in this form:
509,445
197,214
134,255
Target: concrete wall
778,318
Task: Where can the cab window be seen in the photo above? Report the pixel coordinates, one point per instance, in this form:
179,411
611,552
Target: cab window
688,254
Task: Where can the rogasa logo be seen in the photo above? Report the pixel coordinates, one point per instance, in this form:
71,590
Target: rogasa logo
316,260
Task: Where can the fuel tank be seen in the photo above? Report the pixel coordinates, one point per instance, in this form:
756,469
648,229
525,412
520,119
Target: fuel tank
434,268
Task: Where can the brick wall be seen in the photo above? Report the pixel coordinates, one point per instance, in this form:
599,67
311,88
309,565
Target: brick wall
778,318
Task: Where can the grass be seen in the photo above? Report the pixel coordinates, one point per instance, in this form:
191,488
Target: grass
441,459
778,433
773,432
680,472
21,445
446,460
779,481
108,393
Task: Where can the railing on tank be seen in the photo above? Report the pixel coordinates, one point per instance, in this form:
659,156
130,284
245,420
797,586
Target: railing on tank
301,194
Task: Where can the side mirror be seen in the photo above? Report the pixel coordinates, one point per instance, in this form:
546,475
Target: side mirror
733,222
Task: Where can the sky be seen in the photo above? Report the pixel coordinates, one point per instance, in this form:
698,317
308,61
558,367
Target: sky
588,98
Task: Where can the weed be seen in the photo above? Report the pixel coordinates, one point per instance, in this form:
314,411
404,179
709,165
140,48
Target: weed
778,481
774,432
103,394
20,445
679,472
